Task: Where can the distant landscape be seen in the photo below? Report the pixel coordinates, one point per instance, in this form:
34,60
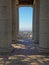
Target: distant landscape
25,34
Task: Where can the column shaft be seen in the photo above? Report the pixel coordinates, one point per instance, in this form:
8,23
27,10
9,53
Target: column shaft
44,26
5,25
36,22
15,22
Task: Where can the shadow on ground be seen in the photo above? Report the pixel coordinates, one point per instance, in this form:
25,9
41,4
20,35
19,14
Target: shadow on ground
25,53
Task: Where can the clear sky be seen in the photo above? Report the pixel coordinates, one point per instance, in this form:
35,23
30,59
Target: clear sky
25,18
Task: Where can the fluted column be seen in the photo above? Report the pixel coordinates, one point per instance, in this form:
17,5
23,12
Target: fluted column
36,21
5,25
15,22
44,26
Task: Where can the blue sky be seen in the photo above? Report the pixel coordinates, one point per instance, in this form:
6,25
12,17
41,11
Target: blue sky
25,18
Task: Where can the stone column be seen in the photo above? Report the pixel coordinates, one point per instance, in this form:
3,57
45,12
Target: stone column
5,25
44,26
15,22
36,21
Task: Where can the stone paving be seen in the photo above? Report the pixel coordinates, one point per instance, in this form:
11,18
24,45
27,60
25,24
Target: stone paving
25,53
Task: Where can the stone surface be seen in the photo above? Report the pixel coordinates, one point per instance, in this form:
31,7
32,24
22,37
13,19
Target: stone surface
25,53
5,24
15,20
44,26
36,22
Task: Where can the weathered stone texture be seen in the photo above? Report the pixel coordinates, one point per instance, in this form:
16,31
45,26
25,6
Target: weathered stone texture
5,24
15,20
44,25
36,22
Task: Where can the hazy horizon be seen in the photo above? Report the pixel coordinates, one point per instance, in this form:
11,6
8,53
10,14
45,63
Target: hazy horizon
25,30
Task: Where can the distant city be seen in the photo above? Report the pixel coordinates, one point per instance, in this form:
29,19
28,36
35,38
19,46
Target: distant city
25,31
25,34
